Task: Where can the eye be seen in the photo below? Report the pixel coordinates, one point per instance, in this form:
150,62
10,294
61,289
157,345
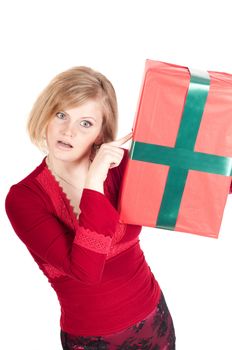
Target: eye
87,122
60,115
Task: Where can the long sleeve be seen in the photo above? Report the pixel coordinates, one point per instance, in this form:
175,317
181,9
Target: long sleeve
94,263
45,235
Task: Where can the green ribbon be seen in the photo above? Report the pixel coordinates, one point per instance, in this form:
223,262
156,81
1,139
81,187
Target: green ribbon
182,157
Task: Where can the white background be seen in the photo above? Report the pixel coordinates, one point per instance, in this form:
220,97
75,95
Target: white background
39,39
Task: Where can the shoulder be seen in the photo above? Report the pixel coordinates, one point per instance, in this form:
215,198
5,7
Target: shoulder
33,174
26,191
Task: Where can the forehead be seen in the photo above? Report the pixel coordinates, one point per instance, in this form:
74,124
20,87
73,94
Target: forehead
89,108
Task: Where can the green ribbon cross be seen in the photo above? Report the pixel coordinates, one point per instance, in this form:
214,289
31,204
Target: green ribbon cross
182,157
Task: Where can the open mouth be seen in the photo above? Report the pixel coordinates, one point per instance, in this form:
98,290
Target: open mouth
64,144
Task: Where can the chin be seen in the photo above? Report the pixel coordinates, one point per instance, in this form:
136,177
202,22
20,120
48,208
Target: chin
69,157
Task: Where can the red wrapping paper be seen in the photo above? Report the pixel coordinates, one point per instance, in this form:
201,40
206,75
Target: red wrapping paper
157,121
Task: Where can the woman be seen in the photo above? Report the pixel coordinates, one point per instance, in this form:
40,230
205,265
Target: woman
65,212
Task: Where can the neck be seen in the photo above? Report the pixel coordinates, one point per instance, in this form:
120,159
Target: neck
68,167
69,172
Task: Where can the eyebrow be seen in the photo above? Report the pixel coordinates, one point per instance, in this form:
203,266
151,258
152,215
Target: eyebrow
81,117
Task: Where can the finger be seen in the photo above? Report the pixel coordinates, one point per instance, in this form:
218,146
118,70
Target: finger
123,139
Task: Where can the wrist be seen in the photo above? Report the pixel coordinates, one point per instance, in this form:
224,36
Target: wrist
94,185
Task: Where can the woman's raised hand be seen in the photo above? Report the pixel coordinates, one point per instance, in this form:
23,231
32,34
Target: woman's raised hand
109,155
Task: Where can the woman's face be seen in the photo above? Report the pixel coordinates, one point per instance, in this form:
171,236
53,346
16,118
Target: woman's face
72,132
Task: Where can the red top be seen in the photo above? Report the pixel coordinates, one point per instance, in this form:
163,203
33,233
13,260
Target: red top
94,263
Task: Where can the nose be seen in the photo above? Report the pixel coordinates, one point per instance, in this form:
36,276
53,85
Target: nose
68,130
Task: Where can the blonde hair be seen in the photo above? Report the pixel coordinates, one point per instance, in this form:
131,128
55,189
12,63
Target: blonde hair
70,89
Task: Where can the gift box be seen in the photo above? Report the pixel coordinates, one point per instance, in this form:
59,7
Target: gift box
178,172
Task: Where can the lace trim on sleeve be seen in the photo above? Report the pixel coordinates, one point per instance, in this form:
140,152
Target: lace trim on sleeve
121,247
92,240
51,271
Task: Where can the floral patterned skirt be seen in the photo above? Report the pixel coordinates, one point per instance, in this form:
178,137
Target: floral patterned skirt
155,332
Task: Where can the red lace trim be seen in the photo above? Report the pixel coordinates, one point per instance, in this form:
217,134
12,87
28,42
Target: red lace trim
55,192
93,240
119,232
52,272
121,247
